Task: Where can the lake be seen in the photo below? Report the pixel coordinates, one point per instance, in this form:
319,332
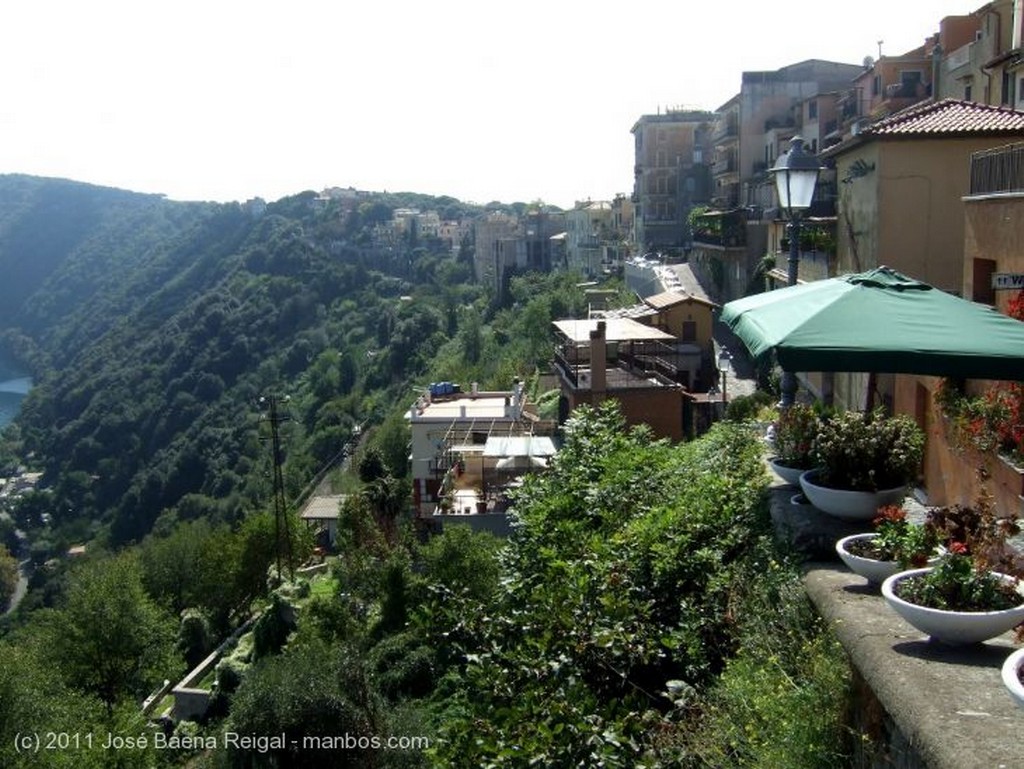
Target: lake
14,386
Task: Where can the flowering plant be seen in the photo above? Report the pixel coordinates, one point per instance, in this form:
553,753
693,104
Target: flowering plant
965,579
795,431
868,451
897,539
957,584
993,421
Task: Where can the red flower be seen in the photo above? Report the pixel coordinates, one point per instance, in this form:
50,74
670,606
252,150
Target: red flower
958,548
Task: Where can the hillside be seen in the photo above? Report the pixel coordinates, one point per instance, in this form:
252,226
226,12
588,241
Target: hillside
153,327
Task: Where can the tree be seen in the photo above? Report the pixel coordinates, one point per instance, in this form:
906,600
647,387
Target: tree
371,465
312,691
110,638
8,576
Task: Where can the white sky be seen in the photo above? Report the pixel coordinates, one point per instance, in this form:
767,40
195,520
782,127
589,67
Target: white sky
228,99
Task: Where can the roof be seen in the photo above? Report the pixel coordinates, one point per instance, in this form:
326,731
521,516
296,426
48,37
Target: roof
322,508
520,446
616,330
667,299
946,118
949,116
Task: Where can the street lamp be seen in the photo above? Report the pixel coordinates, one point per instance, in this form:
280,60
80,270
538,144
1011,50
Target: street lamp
796,174
724,360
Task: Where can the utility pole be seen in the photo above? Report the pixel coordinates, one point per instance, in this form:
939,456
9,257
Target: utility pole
281,523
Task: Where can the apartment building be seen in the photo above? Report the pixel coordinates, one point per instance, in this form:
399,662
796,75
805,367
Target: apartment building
589,233
755,125
671,175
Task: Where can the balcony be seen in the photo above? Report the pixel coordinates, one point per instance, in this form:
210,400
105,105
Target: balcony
726,130
727,229
728,165
999,170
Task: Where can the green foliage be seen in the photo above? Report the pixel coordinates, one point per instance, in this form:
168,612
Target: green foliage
8,577
621,577
869,451
312,691
110,639
744,407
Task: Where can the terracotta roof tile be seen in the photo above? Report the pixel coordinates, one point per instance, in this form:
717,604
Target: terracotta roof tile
948,117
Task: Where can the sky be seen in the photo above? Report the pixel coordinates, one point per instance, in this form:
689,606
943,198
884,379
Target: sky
227,100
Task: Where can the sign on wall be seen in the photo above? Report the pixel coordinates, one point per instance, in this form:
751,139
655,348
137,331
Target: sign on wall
1007,280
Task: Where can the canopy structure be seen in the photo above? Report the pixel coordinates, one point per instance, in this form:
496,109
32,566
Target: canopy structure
878,321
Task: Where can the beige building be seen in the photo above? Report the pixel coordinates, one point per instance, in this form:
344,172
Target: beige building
670,176
901,187
993,273
901,184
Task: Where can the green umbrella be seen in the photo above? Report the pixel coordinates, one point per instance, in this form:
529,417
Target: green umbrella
878,321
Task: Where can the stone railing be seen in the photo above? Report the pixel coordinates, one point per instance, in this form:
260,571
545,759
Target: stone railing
917,704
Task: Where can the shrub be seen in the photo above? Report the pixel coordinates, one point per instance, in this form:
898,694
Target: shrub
869,451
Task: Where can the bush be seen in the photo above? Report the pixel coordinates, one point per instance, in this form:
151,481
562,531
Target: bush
869,451
744,407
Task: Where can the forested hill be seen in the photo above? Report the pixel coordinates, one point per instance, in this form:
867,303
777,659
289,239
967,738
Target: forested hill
153,327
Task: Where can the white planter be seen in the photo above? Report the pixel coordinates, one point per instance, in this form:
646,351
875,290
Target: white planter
790,475
845,504
952,627
1011,676
874,571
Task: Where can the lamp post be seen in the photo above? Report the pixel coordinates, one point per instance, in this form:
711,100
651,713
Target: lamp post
796,174
724,360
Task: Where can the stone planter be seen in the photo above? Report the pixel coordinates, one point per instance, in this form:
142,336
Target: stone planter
951,627
846,504
1011,676
874,571
790,475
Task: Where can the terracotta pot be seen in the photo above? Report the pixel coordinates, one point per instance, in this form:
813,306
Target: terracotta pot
952,627
846,504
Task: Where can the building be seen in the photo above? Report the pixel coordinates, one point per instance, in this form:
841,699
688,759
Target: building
588,235
753,126
454,465
622,359
993,273
902,182
671,175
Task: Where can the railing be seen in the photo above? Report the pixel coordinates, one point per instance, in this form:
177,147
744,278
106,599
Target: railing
998,170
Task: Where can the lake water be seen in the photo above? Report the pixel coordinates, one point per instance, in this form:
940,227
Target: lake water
14,386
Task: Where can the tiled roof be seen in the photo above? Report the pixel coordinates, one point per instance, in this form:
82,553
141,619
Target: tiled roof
948,117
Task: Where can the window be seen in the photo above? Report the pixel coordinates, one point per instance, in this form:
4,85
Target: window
812,109
967,92
876,85
689,331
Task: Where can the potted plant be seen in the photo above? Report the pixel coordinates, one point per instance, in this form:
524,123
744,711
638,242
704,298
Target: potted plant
963,598
866,461
1012,670
895,544
793,442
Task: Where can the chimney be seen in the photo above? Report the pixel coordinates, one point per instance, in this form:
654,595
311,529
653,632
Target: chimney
598,359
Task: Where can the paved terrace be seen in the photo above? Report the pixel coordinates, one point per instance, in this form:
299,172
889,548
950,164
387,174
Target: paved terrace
923,703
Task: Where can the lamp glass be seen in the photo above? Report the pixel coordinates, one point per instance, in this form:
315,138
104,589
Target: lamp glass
796,187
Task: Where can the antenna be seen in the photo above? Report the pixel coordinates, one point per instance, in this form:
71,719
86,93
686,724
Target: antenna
880,48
